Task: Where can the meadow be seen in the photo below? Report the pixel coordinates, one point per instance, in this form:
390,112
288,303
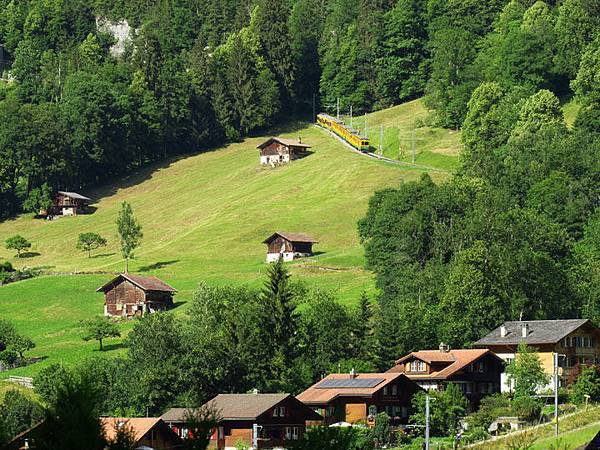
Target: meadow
204,218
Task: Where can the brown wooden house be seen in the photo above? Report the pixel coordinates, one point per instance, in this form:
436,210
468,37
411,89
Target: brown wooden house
133,295
259,421
358,398
280,151
288,246
69,204
148,432
476,371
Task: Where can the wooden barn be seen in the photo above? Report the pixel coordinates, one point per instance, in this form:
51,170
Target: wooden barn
133,295
288,246
280,151
69,204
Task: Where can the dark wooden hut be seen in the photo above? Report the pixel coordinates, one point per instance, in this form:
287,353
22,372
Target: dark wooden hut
288,246
69,204
133,295
280,151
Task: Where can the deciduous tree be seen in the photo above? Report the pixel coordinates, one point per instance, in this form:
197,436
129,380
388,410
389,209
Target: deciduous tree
99,329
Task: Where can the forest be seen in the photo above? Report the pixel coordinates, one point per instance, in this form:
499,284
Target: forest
194,75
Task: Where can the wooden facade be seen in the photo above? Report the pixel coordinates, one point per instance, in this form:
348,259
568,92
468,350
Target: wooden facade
69,204
132,295
280,151
476,371
288,246
269,420
391,393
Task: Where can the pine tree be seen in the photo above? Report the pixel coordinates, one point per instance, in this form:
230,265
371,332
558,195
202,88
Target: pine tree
278,300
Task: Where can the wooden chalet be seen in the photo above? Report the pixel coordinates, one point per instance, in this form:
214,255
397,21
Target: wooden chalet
259,421
577,339
133,295
476,371
280,151
288,246
69,204
358,398
149,432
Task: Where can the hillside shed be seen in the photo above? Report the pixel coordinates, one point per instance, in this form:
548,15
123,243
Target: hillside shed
280,151
69,204
289,246
133,295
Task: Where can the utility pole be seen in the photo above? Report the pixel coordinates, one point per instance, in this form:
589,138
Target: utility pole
427,422
381,139
338,108
350,116
413,145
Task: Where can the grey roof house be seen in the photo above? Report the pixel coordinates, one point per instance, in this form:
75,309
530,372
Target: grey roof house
259,420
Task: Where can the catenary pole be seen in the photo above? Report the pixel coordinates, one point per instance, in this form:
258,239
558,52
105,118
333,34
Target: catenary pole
427,422
555,394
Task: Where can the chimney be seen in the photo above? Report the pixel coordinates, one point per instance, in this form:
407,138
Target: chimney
255,391
353,373
524,330
503,331
299,140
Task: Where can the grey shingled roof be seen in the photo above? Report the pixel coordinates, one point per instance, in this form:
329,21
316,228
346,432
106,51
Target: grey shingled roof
145,283
74,195
232,406
286,142
292,237
540,332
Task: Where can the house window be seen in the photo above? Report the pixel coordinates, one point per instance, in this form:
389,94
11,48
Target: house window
372,410
417,366
292,433
385,390
282,411
394,390
330,411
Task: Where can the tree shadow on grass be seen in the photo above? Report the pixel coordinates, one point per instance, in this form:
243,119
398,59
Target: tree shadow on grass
178,304
29,254
157,265
111,347
103,255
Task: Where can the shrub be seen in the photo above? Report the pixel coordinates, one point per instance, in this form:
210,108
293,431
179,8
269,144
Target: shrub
526,408
6,266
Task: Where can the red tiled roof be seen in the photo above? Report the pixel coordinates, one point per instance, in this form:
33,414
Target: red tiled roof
315,395
138,425
457,359
145,283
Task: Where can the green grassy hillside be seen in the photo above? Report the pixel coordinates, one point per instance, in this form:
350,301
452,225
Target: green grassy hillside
434,147
204,218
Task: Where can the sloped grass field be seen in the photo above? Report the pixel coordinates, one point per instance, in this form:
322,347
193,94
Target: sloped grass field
204,218
434,147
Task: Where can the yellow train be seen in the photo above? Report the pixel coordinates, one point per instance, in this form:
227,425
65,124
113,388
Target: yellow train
346,133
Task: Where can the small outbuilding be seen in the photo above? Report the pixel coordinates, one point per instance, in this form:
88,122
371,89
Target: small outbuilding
69,204
133,295
147,432
280,151
288,246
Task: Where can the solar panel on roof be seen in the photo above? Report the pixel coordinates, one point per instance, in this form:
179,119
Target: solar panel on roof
349,383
